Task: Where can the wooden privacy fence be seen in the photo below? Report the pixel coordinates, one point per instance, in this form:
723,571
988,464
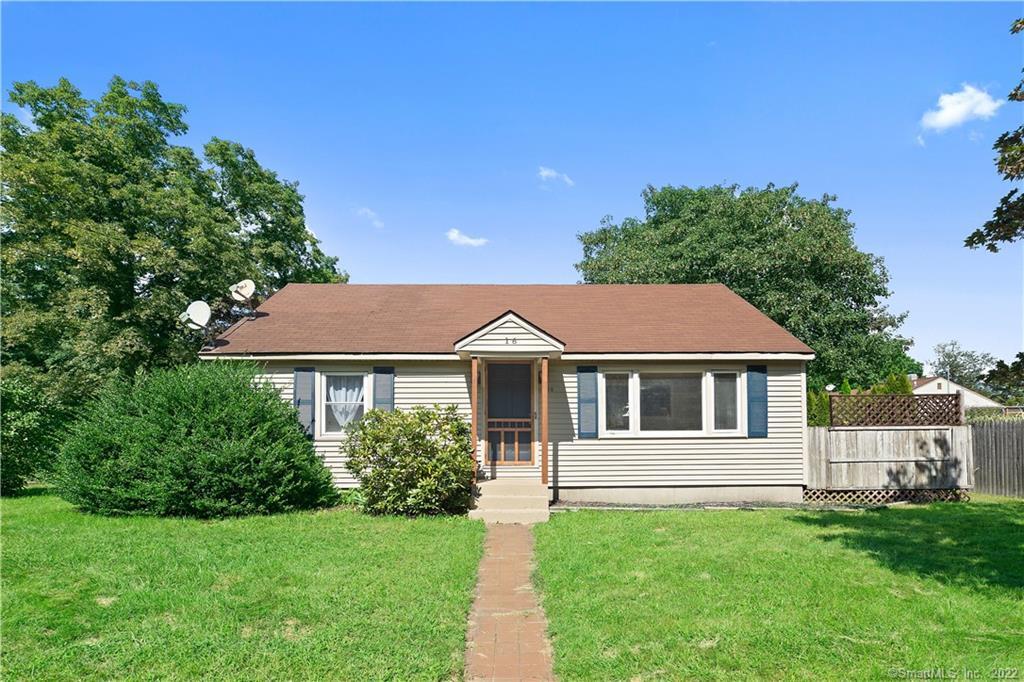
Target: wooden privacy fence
999,458
895,410
888,464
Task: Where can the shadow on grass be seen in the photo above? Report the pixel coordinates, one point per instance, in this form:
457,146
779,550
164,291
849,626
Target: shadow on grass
974,545
33,490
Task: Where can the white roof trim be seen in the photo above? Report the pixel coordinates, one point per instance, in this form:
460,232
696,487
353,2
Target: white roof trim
488,328
331,356
688,356
448,357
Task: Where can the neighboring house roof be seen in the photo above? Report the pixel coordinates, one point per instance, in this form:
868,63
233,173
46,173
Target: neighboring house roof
587,318
972,397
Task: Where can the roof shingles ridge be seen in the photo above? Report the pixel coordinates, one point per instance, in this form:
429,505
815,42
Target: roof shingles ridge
429,318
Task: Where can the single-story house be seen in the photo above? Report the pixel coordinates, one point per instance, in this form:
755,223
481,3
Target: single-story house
943,386
642,393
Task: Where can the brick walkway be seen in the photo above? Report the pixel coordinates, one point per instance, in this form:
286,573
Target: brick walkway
507,635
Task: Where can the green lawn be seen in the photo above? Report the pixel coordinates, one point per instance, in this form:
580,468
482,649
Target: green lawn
784,594
330,595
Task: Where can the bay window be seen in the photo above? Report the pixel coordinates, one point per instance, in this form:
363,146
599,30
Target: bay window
665,403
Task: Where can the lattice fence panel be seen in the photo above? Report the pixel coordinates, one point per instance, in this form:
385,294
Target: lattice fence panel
895,410
876,497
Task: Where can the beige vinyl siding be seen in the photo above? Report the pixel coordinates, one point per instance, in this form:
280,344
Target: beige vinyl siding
689,461
280,376
509,336
444,383
605,462
438,382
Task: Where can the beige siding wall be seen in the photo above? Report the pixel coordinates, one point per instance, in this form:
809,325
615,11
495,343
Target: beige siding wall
445,383
606,462
279,375
509,336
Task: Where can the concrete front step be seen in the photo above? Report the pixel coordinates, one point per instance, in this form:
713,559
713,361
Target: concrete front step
510,515
496,502
511,485
511,501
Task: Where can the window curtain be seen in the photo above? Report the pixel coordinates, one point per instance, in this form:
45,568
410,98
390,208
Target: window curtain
348,391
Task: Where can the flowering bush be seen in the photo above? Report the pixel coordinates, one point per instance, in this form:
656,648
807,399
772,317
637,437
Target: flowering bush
417,462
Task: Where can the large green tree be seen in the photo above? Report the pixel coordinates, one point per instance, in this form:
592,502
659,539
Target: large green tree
794,258
1006,381
960,365
1007,221
109,230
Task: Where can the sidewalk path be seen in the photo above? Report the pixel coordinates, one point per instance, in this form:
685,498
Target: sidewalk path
507,634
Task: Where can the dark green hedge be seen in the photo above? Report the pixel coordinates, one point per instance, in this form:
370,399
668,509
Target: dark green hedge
29,424
203,440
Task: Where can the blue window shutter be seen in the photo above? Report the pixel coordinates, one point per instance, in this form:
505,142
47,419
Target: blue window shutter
757,401
586,401
384,388
304,397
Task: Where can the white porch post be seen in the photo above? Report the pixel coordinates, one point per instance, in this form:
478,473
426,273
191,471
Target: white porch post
474,394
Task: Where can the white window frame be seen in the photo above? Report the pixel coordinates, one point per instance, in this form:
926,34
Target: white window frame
740,401
602,416
707,429
321,400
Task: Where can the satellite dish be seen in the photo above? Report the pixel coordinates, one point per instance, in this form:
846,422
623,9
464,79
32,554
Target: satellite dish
196,315
244,290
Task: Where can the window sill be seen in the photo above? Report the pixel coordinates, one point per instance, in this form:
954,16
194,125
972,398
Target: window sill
335,437
668,435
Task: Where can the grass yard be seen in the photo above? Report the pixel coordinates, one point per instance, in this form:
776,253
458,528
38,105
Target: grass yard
785,594
330,595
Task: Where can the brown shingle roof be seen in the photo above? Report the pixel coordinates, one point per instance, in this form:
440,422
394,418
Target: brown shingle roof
588,318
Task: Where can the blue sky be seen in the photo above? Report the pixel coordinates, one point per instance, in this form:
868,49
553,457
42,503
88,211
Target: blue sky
405,122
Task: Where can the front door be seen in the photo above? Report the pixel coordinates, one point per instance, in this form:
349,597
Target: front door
509,413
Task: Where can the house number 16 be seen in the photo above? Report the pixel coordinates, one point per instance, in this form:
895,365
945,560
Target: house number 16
510,341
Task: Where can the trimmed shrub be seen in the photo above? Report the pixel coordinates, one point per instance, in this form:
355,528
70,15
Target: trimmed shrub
412,463
817,408
28,424
203,440
894,384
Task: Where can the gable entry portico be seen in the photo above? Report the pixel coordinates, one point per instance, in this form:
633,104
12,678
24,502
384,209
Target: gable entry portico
509,364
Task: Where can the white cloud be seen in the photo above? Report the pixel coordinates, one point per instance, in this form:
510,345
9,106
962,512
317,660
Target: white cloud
548,174
24,116
456,237
919,140
957,108
370,215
